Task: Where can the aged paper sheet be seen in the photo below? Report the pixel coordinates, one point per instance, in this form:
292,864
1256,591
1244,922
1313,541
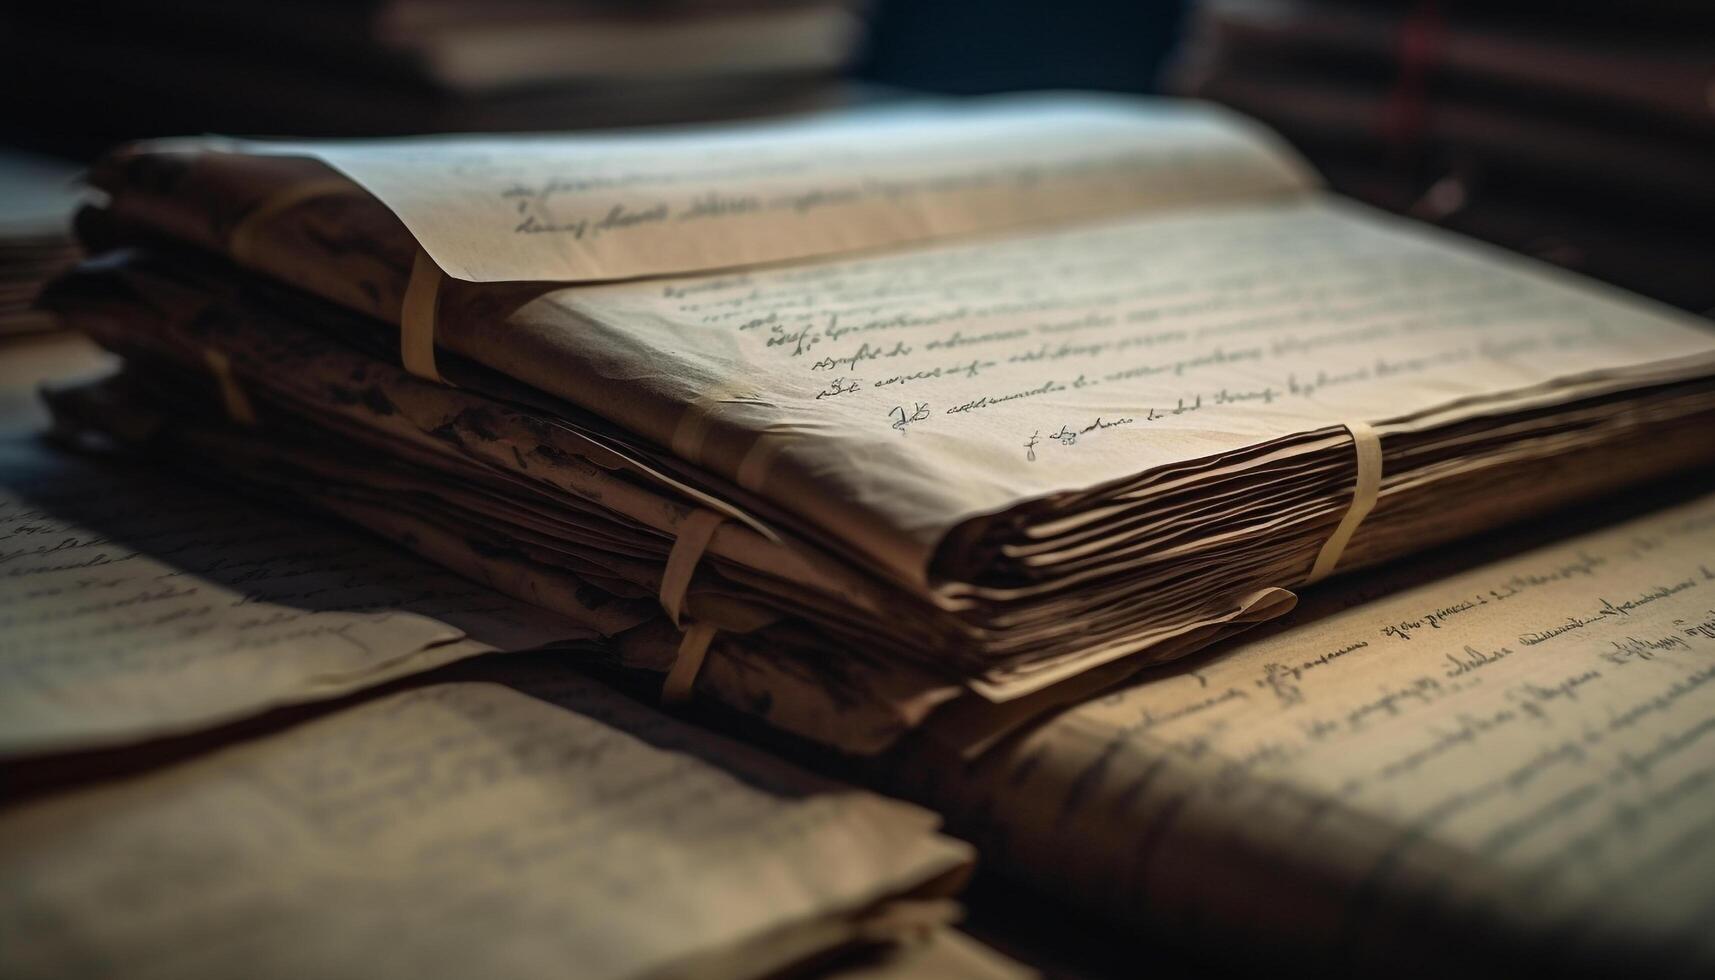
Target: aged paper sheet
1518,759
910,391
132,605
579,208
461,830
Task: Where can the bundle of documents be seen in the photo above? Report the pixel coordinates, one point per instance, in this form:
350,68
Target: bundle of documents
412,66
1490,761
1585,140
1498,761
520,821
924,416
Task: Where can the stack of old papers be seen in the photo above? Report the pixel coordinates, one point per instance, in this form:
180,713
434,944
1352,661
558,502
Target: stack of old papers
862,422
518,819
412,66
1584,138
1497,760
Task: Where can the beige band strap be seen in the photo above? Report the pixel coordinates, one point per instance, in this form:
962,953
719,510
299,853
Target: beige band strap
238,407
241,243
417,318
698,420
683,677
1368,447
688,436
694,425
752,473
694,536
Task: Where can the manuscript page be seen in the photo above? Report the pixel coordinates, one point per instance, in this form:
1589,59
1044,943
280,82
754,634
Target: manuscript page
134,606
1521,755
459,830
580,208
908,392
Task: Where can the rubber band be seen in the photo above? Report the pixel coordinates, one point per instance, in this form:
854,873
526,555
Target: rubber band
698,420
699,417
238,407
417,318
752,472
241,242
694,536
689,661
422,290
1367,446
692,429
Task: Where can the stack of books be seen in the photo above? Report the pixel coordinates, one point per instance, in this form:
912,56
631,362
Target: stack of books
1585,141
949,435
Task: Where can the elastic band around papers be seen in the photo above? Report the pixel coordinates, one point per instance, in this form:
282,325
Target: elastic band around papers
688,436
692,649
698,419
238,407
694,424
417,318
753,467
241,241
694,537
1368,447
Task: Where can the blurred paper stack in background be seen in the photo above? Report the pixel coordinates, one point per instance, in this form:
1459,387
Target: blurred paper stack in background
316,67
37,196
1588,142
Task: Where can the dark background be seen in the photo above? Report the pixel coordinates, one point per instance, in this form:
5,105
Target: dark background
973,46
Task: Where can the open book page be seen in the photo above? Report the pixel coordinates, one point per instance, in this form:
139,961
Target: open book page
905,393
462,830
1515,759
135,605
579,208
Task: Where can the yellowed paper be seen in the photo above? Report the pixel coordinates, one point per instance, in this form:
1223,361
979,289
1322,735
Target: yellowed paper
911,391
578,208
133,606
1015,432
1517,758
460,830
